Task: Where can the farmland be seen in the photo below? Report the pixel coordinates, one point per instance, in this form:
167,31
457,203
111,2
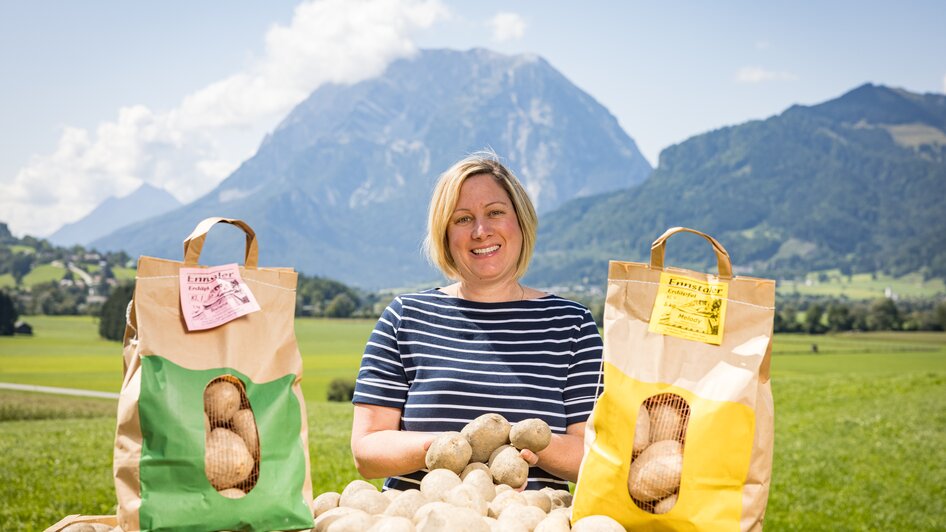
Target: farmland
860,426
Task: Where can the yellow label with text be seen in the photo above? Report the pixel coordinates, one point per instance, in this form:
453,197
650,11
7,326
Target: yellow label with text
689,308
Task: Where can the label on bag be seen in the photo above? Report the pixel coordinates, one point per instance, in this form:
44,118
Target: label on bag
211,297
690,308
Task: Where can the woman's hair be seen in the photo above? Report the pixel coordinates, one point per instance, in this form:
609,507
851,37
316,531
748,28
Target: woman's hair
444,201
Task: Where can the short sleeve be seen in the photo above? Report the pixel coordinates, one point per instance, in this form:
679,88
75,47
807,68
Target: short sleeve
381,379
583,384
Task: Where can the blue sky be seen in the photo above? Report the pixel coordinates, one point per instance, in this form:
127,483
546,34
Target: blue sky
100,96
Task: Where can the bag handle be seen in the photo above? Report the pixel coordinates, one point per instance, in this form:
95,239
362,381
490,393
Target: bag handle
194,243
723,263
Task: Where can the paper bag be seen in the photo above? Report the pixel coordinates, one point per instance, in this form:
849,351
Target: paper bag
681,438
212,429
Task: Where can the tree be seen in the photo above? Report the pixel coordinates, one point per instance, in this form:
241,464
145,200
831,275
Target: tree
112,320
813,319
839,317
8,315
341,306
884,316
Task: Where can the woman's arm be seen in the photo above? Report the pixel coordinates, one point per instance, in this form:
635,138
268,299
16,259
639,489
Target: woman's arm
380,449
563,456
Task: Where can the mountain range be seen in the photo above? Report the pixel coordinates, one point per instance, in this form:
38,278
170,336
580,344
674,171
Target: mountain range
113,213
340,187
856,183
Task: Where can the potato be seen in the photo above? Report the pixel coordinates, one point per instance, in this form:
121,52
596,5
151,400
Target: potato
437,483
450,519
597,523
221,401
227,462
353,486
485,434
392,524
244,424
517,515
502,487
482,481
354,522
656,472
533,434
666,422
87,527
665,505
406,504
474,466
449,450
369,501
503,500
509,468
538,499
466,496
233,493
325,519
427,508
495,453
324,503
642,430
554,522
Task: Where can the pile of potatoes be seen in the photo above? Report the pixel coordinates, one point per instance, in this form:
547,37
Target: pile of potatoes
470,486
231,458
657,462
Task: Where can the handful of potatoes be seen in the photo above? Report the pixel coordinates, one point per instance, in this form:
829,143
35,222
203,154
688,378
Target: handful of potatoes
657,462
494,444
231,456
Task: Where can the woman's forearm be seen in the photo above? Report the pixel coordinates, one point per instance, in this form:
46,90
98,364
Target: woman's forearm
387,453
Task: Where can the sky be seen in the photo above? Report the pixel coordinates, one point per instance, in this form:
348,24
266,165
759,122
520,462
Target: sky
100,97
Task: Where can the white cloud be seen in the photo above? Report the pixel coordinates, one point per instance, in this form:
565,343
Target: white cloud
191,148
507,26
759,75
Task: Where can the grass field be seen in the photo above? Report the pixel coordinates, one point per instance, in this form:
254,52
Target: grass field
67,352
832,283
860,426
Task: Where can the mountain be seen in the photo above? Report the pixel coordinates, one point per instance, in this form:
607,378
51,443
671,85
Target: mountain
857,183
143,203
340,187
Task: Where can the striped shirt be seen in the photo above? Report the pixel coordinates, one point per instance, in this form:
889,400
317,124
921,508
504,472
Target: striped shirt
445,361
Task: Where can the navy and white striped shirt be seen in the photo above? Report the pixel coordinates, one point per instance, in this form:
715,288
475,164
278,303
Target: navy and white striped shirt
445,361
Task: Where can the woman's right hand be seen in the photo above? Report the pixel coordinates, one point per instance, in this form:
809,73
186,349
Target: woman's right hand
380,449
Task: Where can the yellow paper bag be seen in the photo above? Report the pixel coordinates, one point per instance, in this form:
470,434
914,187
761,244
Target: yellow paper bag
681,438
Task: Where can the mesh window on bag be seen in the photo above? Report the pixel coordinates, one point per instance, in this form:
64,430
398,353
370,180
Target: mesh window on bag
660,434
231,458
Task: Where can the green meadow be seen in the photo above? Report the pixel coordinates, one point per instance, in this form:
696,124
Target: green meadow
859,445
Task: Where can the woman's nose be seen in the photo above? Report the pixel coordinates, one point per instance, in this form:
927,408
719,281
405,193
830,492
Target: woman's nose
481,229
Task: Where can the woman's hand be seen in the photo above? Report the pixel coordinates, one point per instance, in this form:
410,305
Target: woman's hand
380,449
563,456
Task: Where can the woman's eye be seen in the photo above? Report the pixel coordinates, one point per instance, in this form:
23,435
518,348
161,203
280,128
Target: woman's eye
497,213
462,220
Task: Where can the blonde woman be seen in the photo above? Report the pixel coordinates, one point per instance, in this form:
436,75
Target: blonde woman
439,358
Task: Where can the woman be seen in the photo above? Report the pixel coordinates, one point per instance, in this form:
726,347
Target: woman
440,358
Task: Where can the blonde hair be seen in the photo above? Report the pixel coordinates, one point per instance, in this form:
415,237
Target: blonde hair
444,201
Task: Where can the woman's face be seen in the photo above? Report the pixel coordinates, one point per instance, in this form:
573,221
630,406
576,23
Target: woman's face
483,233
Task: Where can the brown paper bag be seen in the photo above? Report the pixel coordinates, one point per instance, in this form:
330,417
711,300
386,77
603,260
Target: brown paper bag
681,438
186,456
